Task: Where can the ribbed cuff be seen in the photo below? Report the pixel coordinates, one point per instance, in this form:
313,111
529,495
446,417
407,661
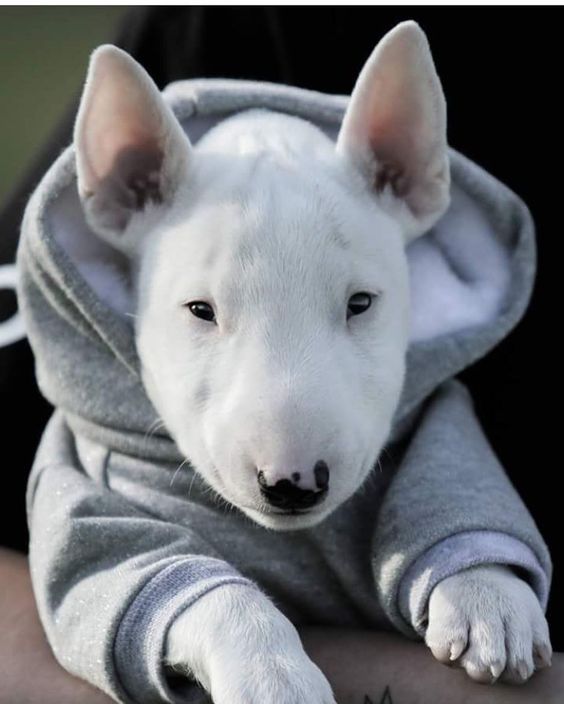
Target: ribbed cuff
458,552
139,647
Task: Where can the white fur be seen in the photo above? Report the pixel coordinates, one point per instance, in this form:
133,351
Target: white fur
243,650
285,362
489,622
276,228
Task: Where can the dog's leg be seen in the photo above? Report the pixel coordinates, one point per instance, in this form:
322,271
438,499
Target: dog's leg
243,650
489,622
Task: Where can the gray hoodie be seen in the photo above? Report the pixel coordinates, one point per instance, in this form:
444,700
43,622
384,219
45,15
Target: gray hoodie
121,542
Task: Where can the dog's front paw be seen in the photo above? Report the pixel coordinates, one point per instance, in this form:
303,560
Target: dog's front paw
489,622
243,650
277,673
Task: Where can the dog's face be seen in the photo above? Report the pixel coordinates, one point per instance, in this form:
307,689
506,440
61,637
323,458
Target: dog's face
271,281
302,360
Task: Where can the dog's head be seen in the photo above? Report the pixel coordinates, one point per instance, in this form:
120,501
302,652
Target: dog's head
271,282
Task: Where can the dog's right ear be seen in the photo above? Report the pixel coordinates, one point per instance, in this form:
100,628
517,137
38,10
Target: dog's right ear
131,151
394,130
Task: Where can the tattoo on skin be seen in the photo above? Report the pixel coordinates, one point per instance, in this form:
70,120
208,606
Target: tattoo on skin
386,698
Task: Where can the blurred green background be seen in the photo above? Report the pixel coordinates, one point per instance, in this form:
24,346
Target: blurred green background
43,58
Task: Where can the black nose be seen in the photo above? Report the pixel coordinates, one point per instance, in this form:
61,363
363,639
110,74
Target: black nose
286,494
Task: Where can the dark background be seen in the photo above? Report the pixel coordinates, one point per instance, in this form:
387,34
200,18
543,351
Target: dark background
500,68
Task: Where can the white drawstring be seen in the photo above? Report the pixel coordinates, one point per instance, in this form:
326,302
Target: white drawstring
13,329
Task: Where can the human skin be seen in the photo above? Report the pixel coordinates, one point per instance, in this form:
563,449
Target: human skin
360,665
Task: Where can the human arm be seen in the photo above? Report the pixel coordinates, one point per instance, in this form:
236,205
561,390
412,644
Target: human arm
29,673
358,664
362,664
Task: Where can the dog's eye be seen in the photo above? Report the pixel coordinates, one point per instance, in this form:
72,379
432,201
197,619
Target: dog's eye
358,304
201,309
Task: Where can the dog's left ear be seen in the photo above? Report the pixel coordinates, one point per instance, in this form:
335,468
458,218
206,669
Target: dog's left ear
394,130
131,151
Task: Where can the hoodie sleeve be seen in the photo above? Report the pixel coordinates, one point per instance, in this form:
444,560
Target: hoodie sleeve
450,506
109,579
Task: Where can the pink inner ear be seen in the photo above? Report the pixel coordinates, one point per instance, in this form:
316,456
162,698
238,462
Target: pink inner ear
112,128
139,168
121,124
395,125
110,143
130,148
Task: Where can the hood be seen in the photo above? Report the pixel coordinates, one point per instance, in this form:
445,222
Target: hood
471,278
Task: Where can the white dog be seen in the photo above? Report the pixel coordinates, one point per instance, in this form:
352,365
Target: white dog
264,264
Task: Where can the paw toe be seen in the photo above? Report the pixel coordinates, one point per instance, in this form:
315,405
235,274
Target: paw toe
482,668
485,658
496,669
447,639
542,655
478,672
520,667
520,664
448,649
517,672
